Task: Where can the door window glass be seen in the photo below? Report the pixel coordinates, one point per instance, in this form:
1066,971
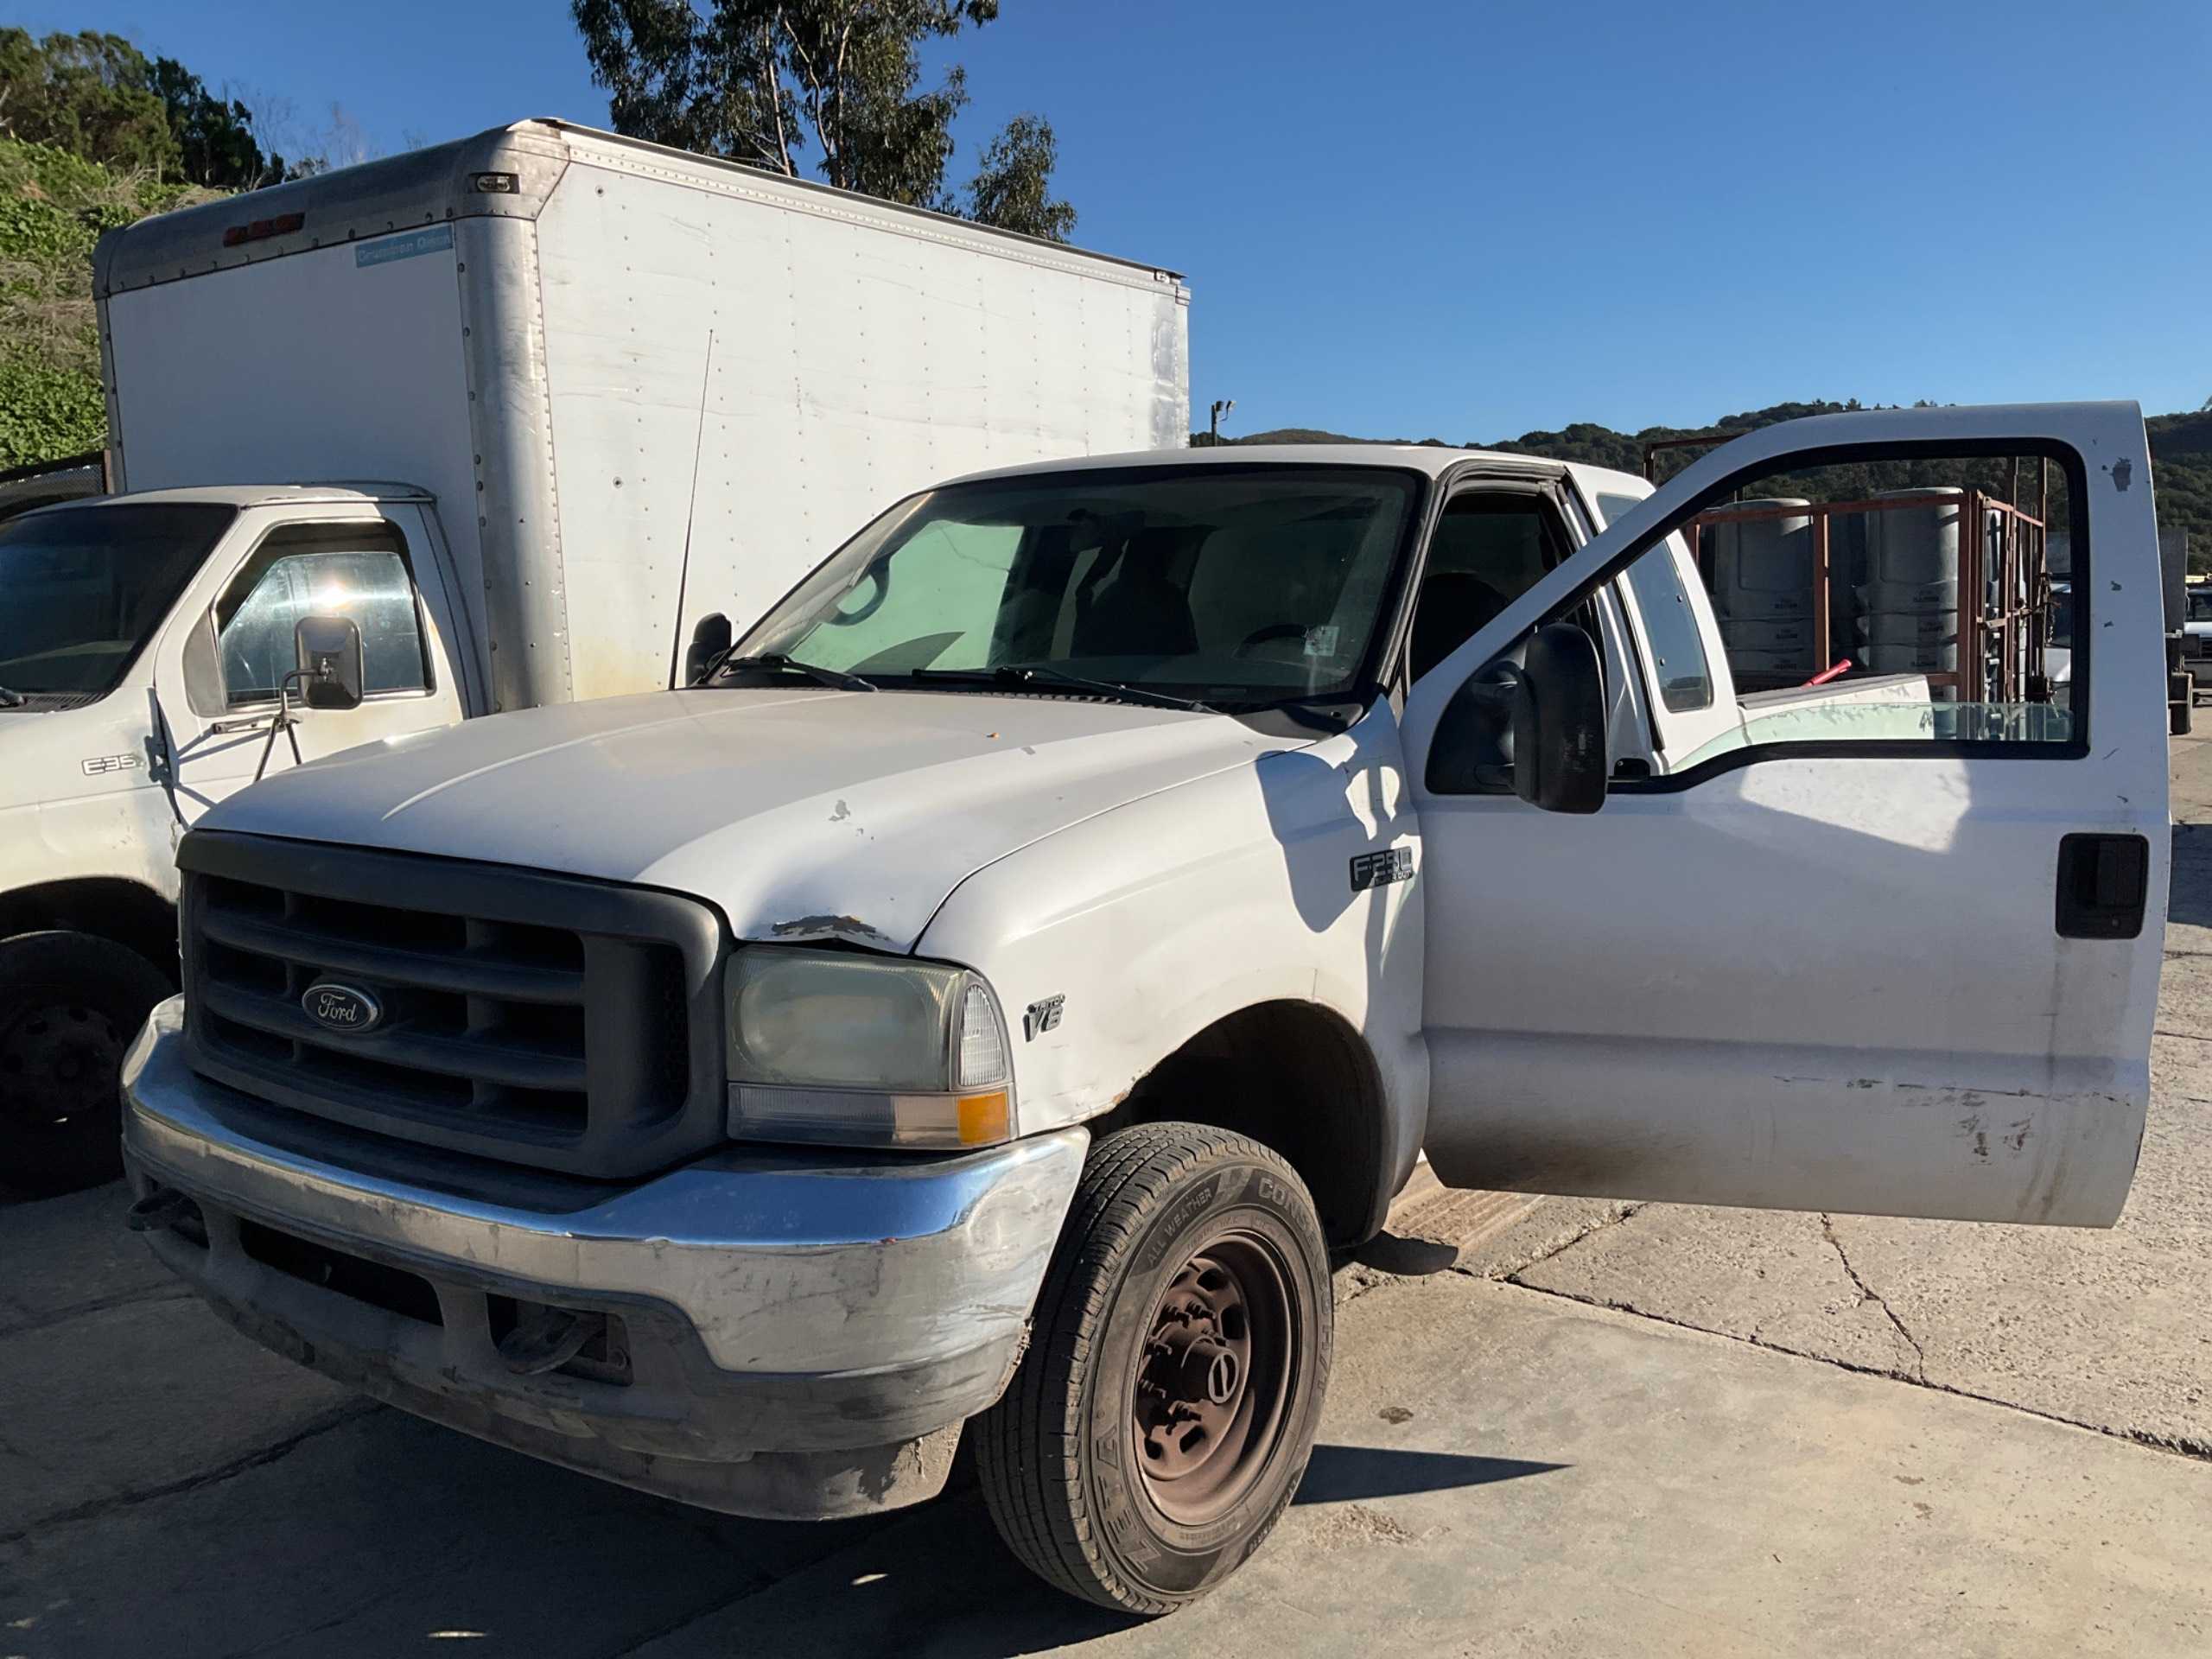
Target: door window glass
358,572
1886,600
1487,552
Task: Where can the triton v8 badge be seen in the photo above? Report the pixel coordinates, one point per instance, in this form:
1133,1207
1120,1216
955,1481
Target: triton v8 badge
1379,869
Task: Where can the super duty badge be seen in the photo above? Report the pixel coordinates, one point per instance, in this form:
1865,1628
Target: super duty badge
1380,869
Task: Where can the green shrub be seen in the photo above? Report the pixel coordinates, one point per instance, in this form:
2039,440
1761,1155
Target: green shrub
54,206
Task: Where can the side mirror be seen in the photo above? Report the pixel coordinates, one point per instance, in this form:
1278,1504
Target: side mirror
331,671
711,638
1559,752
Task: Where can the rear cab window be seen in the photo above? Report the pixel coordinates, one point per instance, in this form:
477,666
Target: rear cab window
1679,667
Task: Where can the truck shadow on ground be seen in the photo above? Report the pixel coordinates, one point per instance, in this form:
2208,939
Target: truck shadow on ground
938,1583
1341,1474
382,1533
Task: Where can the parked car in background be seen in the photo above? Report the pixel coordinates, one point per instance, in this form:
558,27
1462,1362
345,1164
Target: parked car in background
2196,650
589,380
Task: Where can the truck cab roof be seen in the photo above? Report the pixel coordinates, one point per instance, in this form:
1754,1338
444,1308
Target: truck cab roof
1430,459
259,495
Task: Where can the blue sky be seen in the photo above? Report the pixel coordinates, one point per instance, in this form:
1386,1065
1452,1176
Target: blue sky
1467,220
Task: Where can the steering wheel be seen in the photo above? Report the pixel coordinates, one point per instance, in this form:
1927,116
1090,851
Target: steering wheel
1273,630
842,618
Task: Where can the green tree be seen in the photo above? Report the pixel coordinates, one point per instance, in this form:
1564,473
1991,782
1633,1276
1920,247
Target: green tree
762,82
90,94
216,145
1012,189
98,98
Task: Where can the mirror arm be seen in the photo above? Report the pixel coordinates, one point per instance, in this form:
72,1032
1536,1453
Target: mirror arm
285,720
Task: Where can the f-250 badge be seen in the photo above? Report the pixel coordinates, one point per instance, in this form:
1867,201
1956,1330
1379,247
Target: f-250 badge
1379,869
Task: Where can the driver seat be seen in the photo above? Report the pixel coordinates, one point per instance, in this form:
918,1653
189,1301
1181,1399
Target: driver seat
1141,612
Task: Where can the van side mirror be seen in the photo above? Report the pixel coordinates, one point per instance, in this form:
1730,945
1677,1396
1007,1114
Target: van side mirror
331,667
711,638
1560,760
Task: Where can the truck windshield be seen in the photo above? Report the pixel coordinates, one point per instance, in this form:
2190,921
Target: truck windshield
1226,584
82,588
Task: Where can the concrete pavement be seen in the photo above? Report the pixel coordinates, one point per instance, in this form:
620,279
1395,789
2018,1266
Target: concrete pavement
1556,1427
1502,1472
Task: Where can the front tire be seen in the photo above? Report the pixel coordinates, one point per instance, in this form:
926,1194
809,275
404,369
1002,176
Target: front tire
1163,1414
70,1004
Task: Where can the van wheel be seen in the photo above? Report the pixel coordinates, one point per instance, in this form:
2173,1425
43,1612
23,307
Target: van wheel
70,1004
1163,1414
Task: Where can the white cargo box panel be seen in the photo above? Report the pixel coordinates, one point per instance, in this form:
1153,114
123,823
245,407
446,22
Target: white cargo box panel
521,323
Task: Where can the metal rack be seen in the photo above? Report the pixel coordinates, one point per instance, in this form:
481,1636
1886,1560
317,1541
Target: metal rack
2000,644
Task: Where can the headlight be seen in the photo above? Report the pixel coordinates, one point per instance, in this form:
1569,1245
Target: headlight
865,1051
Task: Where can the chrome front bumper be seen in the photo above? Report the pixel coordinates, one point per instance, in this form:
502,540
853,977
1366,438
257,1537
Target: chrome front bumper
801,1329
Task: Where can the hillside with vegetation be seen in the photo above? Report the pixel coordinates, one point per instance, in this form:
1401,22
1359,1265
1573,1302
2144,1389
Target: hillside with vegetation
53,207
2181,452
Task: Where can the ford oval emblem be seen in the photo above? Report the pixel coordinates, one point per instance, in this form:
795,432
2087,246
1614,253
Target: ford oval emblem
342,1008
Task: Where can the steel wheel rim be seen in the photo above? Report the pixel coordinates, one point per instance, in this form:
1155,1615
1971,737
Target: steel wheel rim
73,1050
1209,1392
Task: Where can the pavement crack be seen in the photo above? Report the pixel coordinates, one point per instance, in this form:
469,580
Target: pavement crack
1509,1272
1868,1294
169,1293
335,1418
2197,1451
288,1642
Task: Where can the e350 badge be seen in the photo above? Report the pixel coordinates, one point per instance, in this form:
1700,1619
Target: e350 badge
1379,869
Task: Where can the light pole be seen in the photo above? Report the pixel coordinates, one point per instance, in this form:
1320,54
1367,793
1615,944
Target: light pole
1221,407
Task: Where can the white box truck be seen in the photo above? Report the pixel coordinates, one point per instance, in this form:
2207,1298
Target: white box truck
609,387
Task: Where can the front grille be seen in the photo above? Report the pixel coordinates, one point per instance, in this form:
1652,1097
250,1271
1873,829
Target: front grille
533,1017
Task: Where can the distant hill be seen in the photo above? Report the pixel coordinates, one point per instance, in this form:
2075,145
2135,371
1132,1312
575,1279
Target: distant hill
2181,449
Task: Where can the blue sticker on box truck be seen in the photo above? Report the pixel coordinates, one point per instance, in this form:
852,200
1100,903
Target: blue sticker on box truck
435,239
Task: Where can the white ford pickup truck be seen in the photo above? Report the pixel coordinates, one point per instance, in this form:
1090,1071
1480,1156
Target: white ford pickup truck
986,996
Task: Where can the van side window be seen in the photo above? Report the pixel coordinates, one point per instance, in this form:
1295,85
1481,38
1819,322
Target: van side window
356,571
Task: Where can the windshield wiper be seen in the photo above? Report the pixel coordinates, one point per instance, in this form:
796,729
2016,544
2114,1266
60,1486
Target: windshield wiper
777,663
10,698
1012,677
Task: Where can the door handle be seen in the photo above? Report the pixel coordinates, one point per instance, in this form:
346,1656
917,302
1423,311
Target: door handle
2103,883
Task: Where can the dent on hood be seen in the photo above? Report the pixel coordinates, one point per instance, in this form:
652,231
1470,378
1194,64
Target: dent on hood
849,929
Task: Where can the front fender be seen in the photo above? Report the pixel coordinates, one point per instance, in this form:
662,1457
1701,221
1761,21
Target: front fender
1160,917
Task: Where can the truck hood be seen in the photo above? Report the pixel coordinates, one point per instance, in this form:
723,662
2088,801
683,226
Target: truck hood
802,814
